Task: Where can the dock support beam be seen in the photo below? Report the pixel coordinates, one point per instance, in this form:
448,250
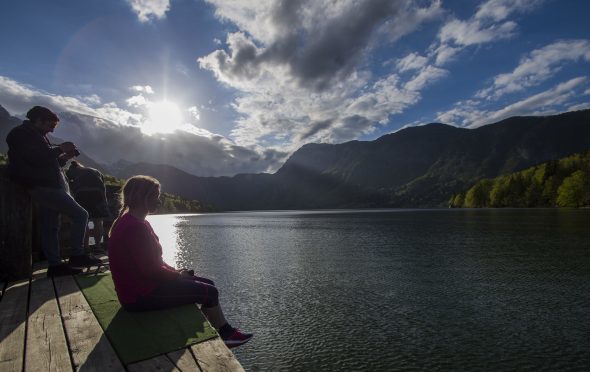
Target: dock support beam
15,229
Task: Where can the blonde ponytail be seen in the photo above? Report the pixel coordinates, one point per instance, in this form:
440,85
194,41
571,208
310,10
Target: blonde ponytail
135,192
123,209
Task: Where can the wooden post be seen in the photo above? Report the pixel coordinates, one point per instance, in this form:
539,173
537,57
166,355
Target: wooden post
15,229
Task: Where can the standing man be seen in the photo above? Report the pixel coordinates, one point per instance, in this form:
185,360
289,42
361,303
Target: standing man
36,164
87,187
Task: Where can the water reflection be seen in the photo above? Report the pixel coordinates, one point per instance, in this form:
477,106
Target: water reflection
166,227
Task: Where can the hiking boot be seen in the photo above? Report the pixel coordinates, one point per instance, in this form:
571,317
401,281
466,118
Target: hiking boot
84,260
236,338
62,270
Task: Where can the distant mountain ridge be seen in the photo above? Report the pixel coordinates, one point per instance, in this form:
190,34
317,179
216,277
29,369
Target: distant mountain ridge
419,166
415,167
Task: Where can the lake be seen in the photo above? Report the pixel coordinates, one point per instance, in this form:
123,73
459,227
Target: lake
375,290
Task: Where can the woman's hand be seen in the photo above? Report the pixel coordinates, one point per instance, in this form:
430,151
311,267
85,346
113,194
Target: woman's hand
187,272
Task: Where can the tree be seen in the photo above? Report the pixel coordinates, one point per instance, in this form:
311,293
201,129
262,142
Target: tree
573,191
478,195
563,182
499,192
457,200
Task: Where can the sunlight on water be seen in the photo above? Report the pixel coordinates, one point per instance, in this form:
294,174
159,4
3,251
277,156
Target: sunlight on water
166,227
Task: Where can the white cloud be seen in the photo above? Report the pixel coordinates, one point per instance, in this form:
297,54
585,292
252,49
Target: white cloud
92,99
149,9
465,33
499,10
194,112
540,65
412,61
19,98
384,98
445,53
410,19
462,114
469,114
111,112
579,106
300,67
426,76
587,92
489,24
136,101
542,101
142,89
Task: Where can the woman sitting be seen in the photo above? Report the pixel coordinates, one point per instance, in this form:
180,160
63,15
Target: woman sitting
143,281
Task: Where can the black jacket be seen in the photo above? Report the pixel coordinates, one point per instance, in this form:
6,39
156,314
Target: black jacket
32,160
85,179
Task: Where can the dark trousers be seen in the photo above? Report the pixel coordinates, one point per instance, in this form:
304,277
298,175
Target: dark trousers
183,291
52,203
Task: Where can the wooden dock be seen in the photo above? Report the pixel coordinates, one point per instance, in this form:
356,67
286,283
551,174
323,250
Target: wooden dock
47,325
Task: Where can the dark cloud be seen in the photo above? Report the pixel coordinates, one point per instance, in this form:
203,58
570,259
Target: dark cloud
350,127
316,55
315,128
339,46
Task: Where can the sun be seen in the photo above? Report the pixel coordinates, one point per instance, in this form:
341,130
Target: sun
163,117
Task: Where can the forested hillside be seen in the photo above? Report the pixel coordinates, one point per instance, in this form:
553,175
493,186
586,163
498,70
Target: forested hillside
558,183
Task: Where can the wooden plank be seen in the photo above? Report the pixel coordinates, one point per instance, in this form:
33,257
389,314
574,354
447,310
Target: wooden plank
184,360
13,316
214,356
46,347
90,349
159,363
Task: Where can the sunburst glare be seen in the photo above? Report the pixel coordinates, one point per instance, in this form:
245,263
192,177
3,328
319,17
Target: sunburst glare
163,117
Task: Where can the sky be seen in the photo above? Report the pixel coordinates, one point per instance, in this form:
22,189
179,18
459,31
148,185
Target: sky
251,81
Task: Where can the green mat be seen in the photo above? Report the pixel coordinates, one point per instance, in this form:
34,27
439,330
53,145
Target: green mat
139,336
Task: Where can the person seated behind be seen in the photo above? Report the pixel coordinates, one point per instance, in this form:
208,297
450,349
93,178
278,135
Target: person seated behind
87,187
143,281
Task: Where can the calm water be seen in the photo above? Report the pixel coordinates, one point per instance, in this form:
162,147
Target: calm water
395,290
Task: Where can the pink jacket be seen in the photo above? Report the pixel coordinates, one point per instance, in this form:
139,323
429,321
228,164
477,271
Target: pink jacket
135,257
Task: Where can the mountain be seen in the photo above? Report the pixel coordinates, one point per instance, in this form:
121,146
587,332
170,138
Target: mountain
7,122
414,167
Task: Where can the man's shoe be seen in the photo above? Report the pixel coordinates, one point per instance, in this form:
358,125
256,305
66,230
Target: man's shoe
62,270
237,338
84,260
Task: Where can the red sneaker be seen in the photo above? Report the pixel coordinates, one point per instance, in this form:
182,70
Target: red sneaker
237,338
